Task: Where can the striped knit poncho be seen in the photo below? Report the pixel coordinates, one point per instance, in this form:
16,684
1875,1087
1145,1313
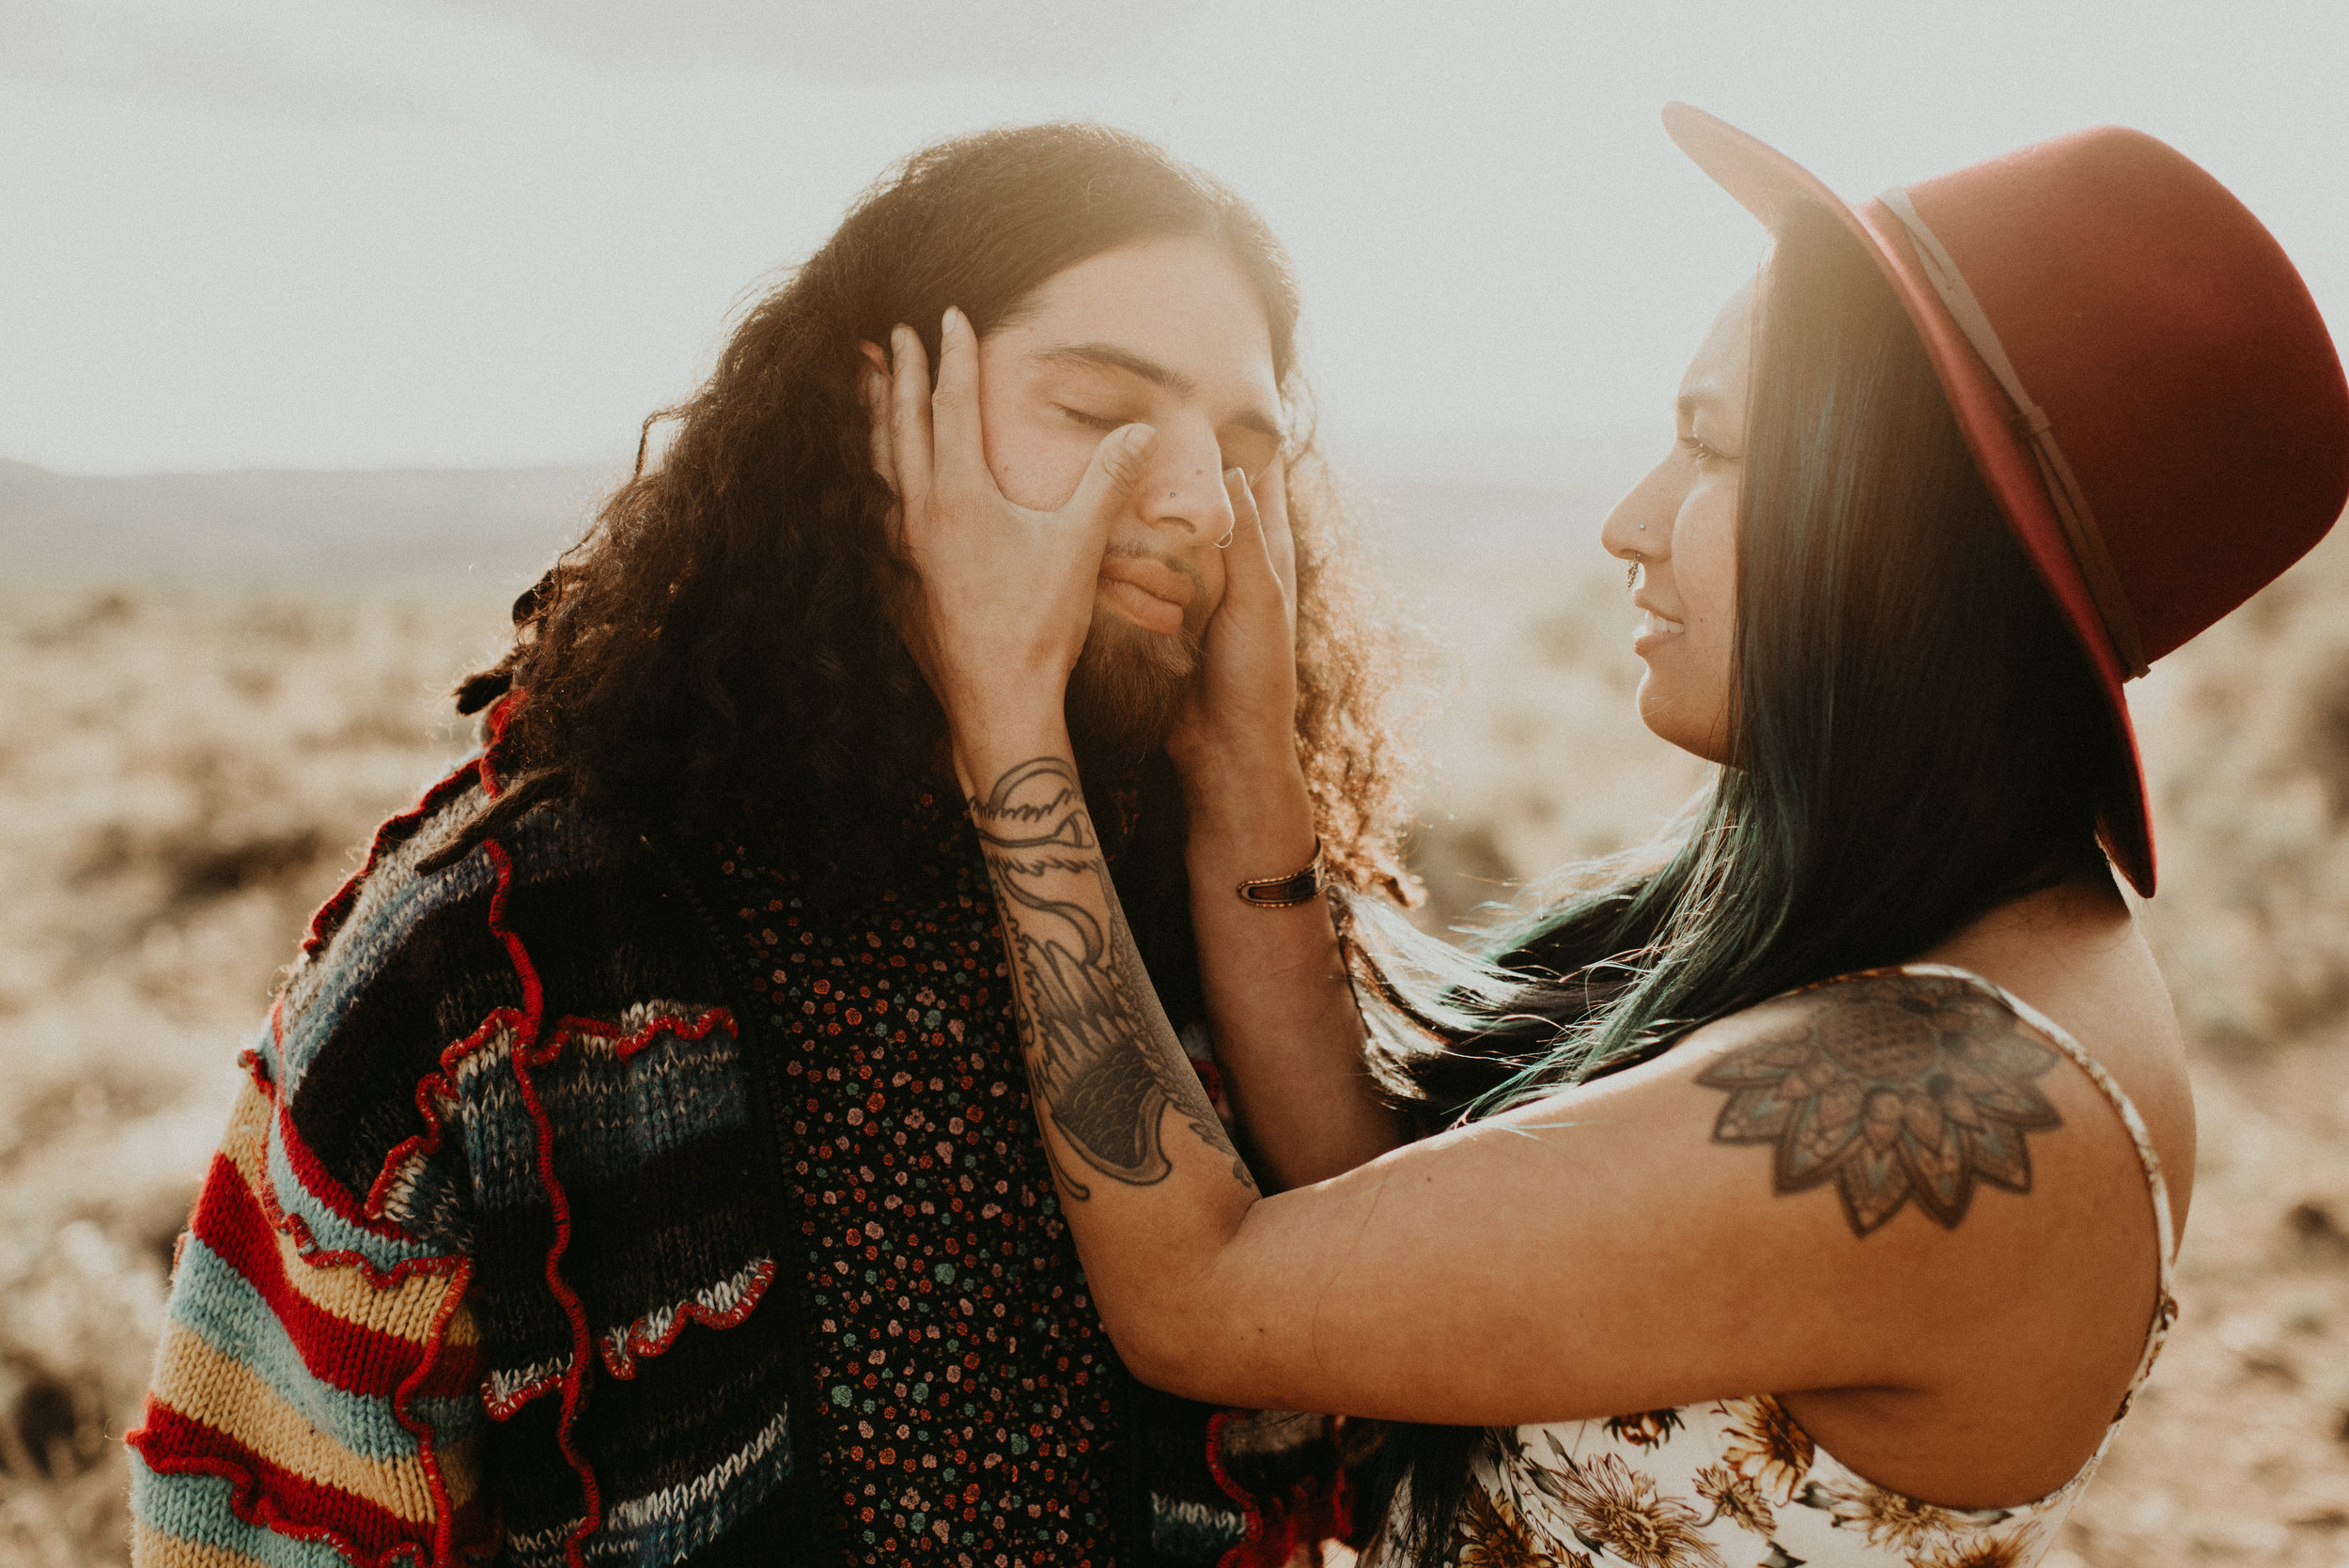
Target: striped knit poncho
493,1263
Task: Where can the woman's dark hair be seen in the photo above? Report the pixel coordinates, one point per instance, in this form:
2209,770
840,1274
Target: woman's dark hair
720,642
1916,739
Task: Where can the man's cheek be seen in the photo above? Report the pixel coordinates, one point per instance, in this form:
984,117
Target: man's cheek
1036,468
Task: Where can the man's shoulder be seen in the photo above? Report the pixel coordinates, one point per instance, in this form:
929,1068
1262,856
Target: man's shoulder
394,919
416,959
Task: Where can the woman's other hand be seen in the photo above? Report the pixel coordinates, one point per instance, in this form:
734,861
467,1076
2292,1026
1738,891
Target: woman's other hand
1244,709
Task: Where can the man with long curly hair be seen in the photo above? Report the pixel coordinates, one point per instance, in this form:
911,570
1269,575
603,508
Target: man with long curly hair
638,1166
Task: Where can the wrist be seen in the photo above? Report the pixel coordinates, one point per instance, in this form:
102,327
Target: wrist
1218,772
986,746
1240,832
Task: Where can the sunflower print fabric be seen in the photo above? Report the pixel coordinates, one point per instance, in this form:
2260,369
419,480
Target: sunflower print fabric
1737,1482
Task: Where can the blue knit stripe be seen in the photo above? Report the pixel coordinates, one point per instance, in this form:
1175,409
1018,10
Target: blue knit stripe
664,1526
222,1308
1193,1531
388,911
195,1509
617,1114
329,1229
660,1099
501,1139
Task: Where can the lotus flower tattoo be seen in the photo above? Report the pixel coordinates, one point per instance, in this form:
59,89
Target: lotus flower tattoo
1895,1086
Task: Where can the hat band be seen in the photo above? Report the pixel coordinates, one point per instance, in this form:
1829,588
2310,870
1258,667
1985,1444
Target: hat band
2064,489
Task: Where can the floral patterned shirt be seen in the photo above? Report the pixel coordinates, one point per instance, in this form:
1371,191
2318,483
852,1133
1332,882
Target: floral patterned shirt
964,1385
1737,1482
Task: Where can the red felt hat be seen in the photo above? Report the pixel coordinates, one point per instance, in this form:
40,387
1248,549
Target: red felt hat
2138,371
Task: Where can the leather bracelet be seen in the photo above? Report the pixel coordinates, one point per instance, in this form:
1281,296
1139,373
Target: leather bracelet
1286,892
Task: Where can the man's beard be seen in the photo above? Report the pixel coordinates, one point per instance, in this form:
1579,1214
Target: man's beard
1125,693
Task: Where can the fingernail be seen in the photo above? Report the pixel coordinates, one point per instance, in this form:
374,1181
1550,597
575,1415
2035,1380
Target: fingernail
1142,440
1236,476
946,323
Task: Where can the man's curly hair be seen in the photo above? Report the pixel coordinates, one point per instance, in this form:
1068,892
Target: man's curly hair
719,648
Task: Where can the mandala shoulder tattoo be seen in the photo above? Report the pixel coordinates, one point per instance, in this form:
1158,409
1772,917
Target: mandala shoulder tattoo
1893,1086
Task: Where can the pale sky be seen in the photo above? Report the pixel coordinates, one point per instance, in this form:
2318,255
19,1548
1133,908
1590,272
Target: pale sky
327,233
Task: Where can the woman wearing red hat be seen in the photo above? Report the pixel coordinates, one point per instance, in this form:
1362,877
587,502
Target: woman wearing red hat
1822,1215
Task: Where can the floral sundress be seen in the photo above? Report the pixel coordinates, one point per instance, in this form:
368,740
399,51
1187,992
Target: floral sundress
1737,1482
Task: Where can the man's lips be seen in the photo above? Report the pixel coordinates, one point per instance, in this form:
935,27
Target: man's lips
1151,594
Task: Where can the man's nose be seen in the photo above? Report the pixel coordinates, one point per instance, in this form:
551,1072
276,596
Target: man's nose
1183,486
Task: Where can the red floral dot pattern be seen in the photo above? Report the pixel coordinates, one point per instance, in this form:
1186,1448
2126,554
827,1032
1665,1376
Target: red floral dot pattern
962,1378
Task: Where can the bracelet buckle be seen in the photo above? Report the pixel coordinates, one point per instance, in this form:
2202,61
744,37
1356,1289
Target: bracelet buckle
1284,892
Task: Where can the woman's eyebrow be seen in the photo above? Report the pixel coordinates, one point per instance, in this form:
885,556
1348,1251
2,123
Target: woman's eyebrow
1109,356
1697,398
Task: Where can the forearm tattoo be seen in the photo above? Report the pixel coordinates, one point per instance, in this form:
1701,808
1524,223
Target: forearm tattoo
1894,1086
1103,1062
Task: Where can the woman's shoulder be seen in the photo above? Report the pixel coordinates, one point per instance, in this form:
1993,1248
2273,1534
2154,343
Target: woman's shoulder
1915,1085
1904,1086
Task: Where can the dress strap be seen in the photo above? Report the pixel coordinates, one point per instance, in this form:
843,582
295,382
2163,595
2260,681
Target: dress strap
2165,1245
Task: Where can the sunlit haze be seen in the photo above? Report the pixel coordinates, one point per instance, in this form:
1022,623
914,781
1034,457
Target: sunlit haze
293,233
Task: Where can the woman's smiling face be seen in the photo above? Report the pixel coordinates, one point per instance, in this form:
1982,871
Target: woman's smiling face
1678,528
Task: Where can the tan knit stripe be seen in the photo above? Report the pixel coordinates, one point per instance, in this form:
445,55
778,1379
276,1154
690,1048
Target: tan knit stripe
152,1549
225,1394
406,1310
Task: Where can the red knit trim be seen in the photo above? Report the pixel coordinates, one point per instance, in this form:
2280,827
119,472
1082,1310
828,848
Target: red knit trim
261,1492
305,1241
623,1348
529,1053
311,1171
1252,1519
229,1220
254,1481
494,721
394,831
1308,1515
505,1406
444,1516
433,1090
569,1029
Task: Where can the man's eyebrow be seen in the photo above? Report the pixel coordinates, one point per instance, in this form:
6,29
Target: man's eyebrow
1109,356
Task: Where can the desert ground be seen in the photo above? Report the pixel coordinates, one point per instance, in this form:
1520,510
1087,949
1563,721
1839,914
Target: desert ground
185,770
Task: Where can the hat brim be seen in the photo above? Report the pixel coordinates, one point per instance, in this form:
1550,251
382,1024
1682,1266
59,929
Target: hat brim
1762,178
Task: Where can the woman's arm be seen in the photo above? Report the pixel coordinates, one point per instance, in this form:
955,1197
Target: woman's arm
1288,1036
1609,1250
1613,1248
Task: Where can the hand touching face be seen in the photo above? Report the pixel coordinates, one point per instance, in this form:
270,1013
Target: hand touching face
1167,334
1678,532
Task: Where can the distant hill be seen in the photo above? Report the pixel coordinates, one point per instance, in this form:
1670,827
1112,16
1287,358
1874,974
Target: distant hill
499,527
